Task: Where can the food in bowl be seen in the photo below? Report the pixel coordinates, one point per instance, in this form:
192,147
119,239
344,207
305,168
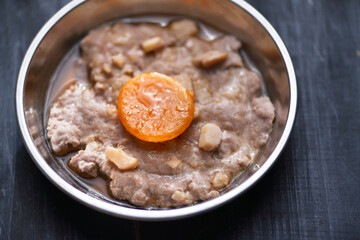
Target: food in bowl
184,152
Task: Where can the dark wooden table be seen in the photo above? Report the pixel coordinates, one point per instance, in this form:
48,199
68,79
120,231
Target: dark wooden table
313,190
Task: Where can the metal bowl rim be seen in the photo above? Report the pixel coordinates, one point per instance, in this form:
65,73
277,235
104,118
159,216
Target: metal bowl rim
140,214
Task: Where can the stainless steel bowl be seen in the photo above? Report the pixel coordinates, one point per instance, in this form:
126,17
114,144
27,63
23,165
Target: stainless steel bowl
74,20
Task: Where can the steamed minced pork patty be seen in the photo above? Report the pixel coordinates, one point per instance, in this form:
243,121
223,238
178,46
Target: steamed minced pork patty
231,120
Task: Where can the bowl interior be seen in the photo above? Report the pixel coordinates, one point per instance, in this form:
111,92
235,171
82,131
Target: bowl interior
71,23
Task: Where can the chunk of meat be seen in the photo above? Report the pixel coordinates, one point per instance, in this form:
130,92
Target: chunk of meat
183,29
86,161
79,114
210,137
263,108
233,60
261,123
132,186
227,43
163,192
64,136
197,46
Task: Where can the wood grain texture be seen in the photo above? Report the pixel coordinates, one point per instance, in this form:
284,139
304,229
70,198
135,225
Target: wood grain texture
313,190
